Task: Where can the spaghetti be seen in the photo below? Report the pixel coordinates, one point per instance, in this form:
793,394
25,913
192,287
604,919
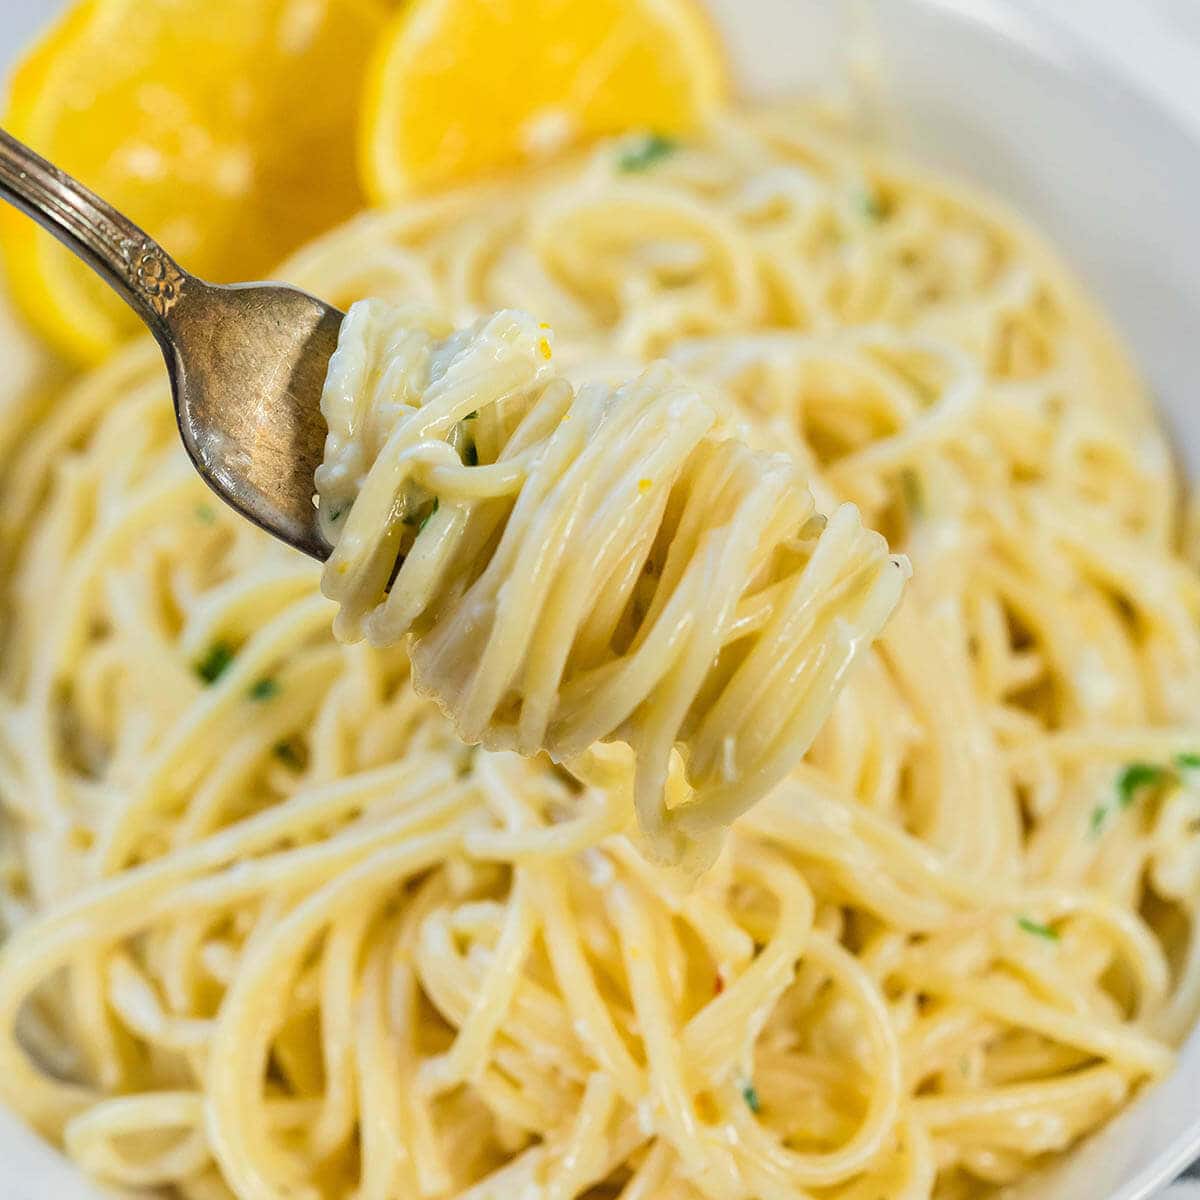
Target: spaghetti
276,932
592,566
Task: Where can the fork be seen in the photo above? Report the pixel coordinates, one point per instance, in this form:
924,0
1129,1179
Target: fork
246,361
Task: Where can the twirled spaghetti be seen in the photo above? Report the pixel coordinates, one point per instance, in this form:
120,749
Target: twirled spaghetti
275,932
579,567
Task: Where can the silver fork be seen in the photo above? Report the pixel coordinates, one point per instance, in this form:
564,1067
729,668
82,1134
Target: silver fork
246,361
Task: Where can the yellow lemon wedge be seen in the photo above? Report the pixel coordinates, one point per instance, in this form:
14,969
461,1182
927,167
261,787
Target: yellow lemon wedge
226,130
459,88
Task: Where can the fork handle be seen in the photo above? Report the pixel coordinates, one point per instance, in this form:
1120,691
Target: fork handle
141,272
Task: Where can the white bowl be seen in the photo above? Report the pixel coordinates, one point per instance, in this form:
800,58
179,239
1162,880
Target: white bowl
1095,150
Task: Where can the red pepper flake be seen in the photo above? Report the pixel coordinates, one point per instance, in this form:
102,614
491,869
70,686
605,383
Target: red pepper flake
718,984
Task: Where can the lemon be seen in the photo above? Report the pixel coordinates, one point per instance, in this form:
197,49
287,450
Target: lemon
225,130
459,88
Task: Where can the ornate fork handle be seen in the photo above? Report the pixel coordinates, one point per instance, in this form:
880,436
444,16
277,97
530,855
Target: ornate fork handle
142,273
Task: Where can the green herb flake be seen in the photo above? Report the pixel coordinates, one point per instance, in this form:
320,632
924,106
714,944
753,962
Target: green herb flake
425,519
470,455
1189,761
337,514
215,663
287,753
1136,776
645,152
1098,818
264,689
866,200
750,1095
206,514
1029,925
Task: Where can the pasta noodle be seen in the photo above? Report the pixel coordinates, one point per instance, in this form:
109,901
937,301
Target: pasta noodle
589,566
275,932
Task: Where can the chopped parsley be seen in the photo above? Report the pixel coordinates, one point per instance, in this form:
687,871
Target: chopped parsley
215,663
206,513
337,514
645,152
411,519
1136,776
1038,929
1189,761
287,753
867,202
750,1095
425,518
264,689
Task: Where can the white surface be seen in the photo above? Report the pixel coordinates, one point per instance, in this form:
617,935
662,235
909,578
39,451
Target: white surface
1086,113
